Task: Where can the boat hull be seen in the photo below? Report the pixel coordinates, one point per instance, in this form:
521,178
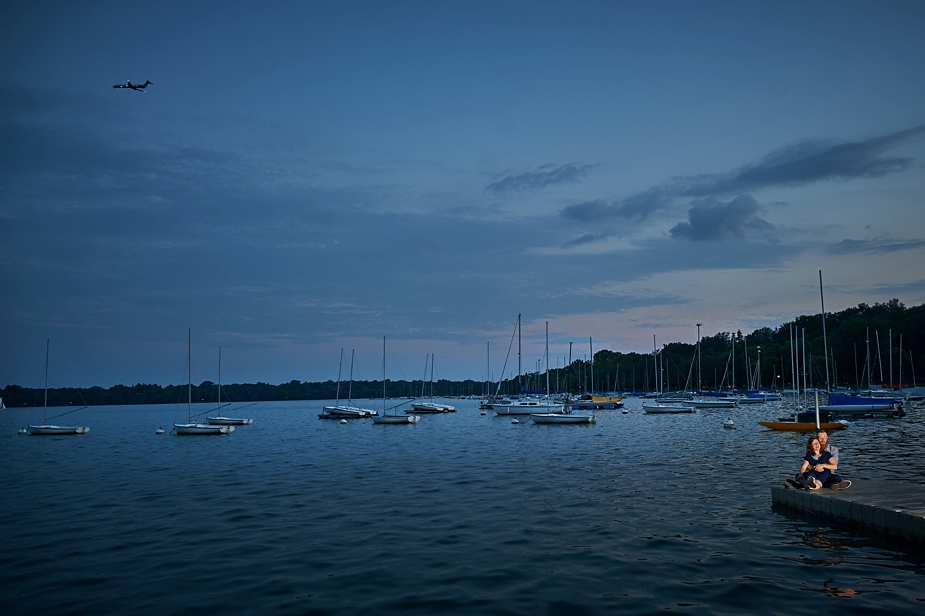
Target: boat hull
348,412
396,419
667,409
793,426
56,430
228,421
558,418
202,429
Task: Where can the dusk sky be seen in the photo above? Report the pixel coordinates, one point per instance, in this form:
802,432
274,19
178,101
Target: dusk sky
303,177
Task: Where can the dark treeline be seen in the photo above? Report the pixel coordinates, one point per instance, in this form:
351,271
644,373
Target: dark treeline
207,391
846,332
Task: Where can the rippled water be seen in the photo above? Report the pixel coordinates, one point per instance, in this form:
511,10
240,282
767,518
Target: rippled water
460,513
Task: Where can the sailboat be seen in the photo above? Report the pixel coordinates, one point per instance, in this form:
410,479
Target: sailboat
194,427
345,411
557,416
2,406
385,418
528,405
431,407
45,429
224,421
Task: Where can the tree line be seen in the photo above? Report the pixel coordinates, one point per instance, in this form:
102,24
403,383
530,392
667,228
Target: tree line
886,325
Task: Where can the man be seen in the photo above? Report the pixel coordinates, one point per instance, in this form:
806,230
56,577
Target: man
835,482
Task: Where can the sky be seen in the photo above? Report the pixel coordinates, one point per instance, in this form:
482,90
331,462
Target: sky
306,177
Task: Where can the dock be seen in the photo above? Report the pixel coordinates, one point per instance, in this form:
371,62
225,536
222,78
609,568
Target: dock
893,508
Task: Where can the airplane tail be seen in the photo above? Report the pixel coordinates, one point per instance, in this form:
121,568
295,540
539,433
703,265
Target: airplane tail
148,83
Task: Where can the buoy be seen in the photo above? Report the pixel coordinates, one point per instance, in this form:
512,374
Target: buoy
515,421
482,413
159,431
343,421
625,412
729,424
22,431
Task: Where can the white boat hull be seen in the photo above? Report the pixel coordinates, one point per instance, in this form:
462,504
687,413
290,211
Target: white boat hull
228,421
396,419
559,418
202,429
348,412
431,408
54,430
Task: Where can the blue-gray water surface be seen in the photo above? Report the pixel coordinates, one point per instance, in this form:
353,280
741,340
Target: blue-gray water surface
461,513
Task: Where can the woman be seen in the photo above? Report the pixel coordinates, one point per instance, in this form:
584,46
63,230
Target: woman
811,478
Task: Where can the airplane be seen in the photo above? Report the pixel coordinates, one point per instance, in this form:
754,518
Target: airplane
137,88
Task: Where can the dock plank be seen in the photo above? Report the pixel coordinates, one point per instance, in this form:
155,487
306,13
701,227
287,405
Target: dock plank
894,508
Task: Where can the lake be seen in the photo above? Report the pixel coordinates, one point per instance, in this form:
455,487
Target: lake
460,513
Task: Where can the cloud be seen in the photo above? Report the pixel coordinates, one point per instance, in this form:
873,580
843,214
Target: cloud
546,175
712,220
881,245
807,162
797,164
638,207
587,238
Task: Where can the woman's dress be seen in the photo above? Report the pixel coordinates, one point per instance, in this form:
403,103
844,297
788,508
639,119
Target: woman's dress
822,476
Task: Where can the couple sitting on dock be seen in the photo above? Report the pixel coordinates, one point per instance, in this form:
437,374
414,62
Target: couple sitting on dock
819,466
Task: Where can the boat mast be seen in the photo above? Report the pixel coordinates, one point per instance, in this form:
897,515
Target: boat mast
699,364
518,355
45,405
340,367
868,362
825,342
383,376
219,378
879,358
424,378
547,363
350,387
591,348
432,377
734,362
488,368
189,376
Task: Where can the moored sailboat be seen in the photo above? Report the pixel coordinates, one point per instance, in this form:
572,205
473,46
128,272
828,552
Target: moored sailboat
385,418
220,420
194,428
50,430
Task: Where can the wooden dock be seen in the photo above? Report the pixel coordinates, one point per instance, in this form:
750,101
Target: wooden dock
887,507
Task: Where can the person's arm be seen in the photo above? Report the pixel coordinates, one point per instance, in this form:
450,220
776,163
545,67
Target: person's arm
831,464
804,467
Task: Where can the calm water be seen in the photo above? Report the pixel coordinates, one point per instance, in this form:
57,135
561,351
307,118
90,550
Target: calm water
460,513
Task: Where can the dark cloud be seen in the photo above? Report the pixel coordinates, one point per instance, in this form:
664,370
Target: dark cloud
793,165
879,245
810,161
547,175
712,220
587,238
638,207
